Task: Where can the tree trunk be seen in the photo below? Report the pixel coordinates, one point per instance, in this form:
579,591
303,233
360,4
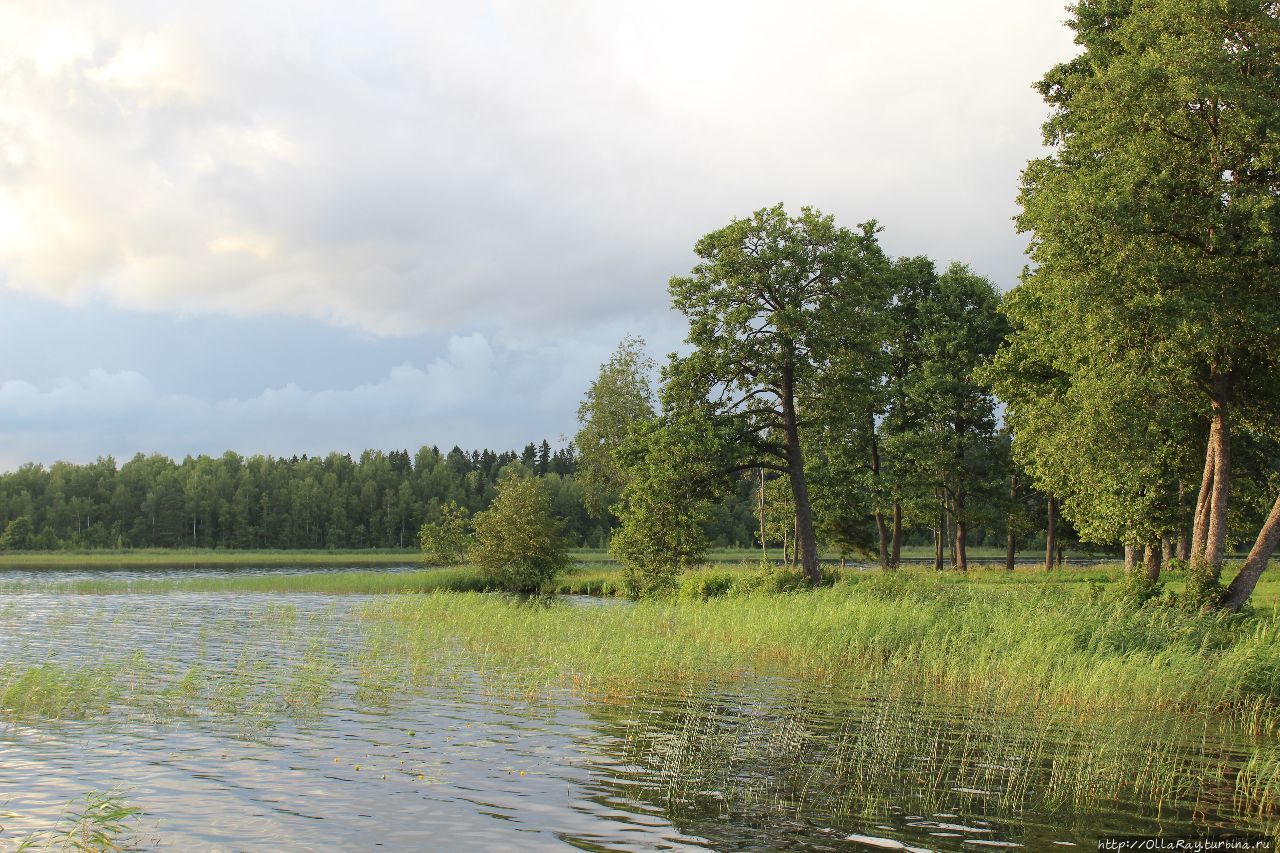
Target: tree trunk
1215,544
1010,542
939,535
1200,521
895,554
950,516
1211,505
1130,558
764,545
962,555
882,530
1153,560
1166,548
795,541
806,540
1237,594
1184,525
1051,534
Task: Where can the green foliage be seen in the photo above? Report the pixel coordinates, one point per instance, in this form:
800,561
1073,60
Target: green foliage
1156,242
1135,587
18,535
664,505
518,544
445,542
706,584
782,313
619,397
1203,587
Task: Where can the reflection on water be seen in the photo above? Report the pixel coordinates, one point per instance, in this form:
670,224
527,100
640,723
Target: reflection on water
274,722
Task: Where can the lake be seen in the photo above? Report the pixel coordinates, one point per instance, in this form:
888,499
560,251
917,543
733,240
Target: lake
296,722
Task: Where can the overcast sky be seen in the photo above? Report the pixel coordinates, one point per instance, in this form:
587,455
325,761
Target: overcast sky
304,226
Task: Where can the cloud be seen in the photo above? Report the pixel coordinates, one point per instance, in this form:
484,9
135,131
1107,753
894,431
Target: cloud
473,394
398,167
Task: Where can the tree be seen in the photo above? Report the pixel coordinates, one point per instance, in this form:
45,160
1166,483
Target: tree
941,429
518,543
619,398
775,303
1156,238
664,504
444,543
19,535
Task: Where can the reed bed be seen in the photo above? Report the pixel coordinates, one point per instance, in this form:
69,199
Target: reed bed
1031,644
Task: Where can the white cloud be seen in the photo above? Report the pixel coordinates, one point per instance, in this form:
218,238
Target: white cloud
398,166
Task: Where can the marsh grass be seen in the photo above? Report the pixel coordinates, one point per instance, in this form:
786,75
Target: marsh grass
724,754
1035,644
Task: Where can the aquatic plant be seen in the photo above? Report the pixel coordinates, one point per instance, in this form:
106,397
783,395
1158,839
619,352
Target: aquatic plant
98,821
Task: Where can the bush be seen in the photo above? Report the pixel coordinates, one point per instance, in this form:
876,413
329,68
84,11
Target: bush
706,584
1135,588
444,543
18,535
518,546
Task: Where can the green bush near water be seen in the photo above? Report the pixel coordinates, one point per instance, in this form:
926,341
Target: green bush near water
518,544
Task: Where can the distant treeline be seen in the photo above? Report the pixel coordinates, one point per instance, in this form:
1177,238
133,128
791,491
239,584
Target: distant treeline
376,500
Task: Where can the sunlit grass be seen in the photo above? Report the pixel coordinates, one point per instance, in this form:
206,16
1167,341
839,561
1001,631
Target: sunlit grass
1033,643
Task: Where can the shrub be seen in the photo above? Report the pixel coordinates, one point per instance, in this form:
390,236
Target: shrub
18,535
706,584
518,546
444,543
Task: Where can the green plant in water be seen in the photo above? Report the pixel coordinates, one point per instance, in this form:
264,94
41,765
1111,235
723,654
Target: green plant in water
99,821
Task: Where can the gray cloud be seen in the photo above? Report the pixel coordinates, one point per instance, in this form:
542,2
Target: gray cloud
475,394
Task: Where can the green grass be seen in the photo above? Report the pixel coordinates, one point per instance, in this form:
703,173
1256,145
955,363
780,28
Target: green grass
1032,643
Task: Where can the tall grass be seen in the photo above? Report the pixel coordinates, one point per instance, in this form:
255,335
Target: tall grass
1030,644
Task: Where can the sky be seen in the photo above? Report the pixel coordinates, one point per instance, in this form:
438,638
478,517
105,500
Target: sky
286,227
